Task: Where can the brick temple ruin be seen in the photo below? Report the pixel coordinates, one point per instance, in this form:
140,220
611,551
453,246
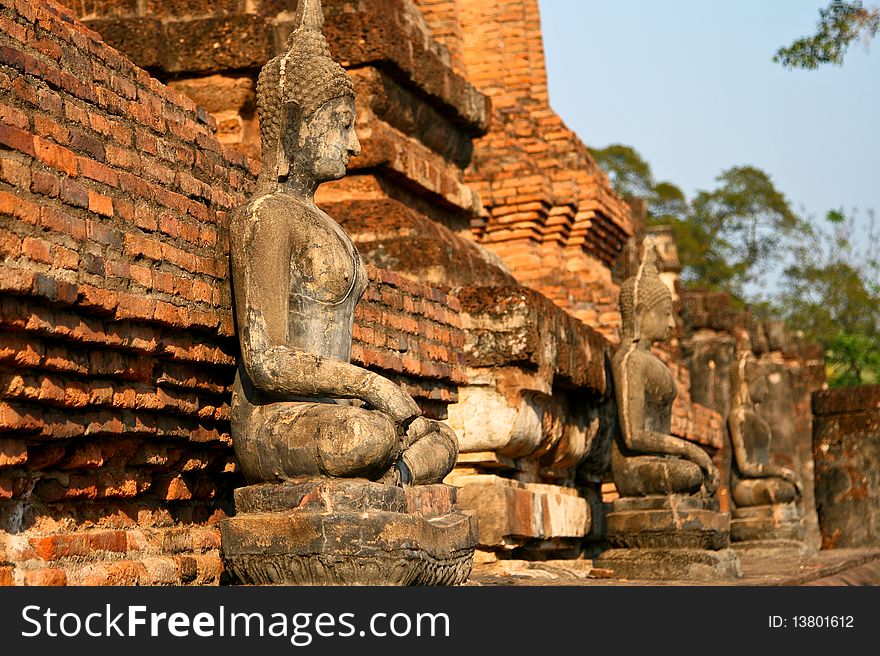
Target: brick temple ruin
128,136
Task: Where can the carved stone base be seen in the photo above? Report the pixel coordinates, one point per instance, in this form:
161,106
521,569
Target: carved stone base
669,537
671,564
673,522
347,532
778,522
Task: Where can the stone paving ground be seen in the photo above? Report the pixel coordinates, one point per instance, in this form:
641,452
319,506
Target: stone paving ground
832,567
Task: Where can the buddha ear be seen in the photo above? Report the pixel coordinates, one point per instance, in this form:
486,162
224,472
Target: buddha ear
291,122
638,312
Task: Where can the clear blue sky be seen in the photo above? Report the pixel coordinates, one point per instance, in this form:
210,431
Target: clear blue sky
691,85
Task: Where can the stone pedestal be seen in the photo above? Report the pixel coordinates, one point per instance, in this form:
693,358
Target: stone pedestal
669,537
524,518
768,528
347,532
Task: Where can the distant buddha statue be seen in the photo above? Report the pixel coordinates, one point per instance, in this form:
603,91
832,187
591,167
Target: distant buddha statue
647,460
755,482
665,524
299,408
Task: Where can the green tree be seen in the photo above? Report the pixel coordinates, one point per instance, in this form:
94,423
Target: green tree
831,291
734,234
631,175
728,237
840,24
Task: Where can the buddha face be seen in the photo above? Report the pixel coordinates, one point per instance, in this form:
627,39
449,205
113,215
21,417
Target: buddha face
327,140
658,321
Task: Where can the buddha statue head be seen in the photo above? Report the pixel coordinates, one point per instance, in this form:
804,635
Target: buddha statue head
645,301
747,381
305,102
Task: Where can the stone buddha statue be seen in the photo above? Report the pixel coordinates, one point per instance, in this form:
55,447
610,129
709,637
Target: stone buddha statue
300,409
647,460
343,472
755,481
666,523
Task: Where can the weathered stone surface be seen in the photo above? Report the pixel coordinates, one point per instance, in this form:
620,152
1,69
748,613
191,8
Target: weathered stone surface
287,421
647,459
673,502
687,529
849,401
518,325
510,513
666,522
322,494
846,447
780,523
514,415
393,236
769,529
671,564
371,547
768,497
393,34
716,331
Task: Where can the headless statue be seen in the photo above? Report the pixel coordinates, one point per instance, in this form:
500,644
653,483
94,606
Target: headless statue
647,460
300,409
755,482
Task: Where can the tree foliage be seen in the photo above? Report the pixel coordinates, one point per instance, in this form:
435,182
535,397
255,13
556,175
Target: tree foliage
631,175
840,24
831,291
736,230
727,237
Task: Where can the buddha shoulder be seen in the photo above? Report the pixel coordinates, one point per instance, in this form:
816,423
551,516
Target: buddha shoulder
629,356
269,210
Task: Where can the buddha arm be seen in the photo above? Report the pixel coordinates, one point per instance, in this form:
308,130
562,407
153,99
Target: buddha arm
747,468
631,409
261,282
744,465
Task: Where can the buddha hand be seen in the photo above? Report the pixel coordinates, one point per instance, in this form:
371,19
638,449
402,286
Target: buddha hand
791,477
390,399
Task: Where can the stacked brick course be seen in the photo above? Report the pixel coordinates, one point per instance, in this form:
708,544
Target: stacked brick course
550,211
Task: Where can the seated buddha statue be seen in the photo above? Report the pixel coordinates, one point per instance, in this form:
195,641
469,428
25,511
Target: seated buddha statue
646,460
300,409
755,482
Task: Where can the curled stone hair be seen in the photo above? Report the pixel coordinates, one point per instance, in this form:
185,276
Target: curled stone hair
641,292
298,82
746,372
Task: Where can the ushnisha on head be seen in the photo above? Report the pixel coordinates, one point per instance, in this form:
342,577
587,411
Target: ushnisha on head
646,302
747,381
305,102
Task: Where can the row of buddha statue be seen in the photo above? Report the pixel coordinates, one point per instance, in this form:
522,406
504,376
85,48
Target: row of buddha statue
337,458
666,522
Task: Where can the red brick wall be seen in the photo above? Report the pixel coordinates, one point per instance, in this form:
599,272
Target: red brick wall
550,212
444,19
116,353
117,348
